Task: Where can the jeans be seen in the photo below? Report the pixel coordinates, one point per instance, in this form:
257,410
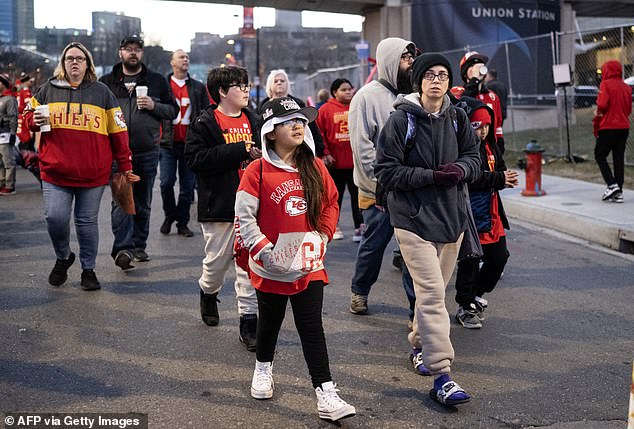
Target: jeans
378,233
131,231
611,141
58,204
172,161
307,306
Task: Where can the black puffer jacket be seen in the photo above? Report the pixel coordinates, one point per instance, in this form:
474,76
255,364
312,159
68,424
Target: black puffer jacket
216,165
144,126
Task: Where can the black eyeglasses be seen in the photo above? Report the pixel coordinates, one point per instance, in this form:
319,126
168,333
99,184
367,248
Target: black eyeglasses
407,57
442,76
79,60
241,86
130,50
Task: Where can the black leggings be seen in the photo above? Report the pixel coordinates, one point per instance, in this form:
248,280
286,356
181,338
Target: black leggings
343,177
307,307
611,141
472,281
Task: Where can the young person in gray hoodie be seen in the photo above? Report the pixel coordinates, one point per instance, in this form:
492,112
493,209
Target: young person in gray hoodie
425,154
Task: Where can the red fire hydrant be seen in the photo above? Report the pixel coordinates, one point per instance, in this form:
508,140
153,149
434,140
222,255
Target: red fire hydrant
533,153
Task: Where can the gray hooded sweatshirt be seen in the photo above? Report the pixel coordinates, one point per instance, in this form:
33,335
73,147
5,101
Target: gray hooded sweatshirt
369,110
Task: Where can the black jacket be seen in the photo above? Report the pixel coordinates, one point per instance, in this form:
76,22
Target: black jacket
216,165
198,100
416,204
144,126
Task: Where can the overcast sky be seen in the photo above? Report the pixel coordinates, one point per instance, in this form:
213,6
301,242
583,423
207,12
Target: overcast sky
173,23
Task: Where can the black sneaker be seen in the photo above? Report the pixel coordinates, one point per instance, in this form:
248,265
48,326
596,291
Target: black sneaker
140,255
183,230
59,274
248,327
166,227
209,308
610,191
89,280
123,260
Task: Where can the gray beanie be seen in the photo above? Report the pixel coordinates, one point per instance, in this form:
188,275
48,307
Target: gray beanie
424,62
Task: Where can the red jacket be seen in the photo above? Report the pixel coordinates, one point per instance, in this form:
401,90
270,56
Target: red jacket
614,102
88,131
491,99
333,124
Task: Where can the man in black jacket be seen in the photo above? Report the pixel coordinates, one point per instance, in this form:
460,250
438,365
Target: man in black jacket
146,100
191,96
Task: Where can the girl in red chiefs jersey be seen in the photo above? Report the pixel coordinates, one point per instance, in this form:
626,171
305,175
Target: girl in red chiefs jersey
473,279
286,212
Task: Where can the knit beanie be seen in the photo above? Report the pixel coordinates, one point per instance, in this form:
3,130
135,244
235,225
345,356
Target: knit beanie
424,62
480,117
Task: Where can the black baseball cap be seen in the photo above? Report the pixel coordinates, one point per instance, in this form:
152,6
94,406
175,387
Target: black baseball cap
131,39
278,110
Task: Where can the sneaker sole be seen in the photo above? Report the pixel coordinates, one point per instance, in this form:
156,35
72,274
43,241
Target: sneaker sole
261,394
356,239
343,413
359,313
449,403
467,325
90,288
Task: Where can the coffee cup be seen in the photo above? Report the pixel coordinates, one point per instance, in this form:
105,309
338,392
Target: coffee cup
44,111
141,91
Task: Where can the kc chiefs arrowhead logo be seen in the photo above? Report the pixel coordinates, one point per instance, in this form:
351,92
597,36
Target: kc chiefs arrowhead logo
296,206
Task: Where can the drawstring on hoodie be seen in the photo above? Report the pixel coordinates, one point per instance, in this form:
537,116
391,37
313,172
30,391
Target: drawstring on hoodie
70,96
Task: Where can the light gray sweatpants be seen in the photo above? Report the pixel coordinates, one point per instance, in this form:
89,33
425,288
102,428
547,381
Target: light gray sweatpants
430,265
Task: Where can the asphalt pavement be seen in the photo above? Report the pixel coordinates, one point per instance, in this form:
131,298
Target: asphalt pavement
555,352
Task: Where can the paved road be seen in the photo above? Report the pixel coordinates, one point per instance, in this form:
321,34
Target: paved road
556,350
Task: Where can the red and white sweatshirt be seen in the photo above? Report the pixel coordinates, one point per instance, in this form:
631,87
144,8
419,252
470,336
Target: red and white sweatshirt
285,253
333,124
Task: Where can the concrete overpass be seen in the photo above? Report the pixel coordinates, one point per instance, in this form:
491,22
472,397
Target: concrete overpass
384,18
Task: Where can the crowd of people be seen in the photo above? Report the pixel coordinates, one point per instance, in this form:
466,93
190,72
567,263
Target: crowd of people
423,161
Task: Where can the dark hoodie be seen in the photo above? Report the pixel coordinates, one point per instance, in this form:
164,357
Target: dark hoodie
144,126
614,102
416,204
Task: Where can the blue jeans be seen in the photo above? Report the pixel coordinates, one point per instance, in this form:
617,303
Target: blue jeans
131,231
171,161
58,204
377,235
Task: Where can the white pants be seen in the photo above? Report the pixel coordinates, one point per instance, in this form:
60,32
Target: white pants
430,265
219,237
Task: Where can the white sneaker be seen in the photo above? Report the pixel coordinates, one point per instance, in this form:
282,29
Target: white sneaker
358,233
609,193
262,382
330,406
338,235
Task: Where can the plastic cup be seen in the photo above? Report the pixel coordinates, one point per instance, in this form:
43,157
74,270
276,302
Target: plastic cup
44,111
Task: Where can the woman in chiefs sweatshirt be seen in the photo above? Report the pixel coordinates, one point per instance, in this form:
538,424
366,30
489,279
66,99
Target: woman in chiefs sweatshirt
286,212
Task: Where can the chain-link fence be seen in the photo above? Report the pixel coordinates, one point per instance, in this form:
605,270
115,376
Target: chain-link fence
559,118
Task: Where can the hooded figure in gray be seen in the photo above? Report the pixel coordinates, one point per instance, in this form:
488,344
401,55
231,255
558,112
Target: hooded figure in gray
370,108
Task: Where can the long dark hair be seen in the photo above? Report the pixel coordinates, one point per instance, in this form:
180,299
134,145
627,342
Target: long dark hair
312,182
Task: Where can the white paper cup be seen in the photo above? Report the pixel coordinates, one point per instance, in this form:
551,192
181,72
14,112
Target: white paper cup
44,111
141,91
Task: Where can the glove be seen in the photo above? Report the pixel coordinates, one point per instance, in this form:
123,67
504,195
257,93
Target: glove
448,175
472,88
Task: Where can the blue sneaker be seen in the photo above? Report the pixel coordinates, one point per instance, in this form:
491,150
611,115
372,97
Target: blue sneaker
416,357
448,392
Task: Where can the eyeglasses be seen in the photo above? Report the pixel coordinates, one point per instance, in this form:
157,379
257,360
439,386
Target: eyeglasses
292,122
407,57
130,50
71,60
442,76
241,86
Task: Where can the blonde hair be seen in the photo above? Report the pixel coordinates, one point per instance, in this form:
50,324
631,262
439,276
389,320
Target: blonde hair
89,76
270,81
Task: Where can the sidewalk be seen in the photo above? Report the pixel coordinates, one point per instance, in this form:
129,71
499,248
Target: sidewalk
574,207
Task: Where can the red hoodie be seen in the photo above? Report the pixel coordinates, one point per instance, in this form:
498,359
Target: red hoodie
333,124
614,102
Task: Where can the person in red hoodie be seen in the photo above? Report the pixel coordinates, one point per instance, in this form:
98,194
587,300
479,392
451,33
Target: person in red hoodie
611,127
333,124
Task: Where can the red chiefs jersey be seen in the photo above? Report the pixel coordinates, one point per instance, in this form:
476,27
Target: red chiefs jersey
182,99
271,216
491,99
